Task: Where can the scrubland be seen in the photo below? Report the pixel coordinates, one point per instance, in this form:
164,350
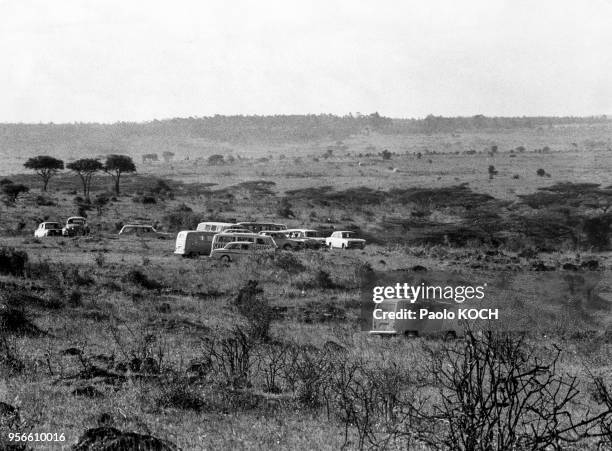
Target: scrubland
102,331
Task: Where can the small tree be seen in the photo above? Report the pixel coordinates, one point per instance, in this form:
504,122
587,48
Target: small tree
45,166
215,159
100,202
85,168
541,172
116,165
13,190
386,155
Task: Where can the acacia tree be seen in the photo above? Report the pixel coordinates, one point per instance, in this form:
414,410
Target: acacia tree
45,166
85,168
116,165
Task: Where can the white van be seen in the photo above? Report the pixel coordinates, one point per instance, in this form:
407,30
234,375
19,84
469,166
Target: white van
192,242
260,242
390,318
216,227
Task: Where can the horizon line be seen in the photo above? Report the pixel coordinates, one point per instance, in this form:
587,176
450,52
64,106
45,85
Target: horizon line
605,116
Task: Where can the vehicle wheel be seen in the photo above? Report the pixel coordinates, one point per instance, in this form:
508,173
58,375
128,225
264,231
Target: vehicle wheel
330,246
287,247
411,333
226,259
343,246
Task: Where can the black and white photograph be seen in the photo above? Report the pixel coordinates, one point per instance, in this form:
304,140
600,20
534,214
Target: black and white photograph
305,225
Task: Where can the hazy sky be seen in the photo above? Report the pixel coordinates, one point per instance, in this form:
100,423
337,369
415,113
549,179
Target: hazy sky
113,60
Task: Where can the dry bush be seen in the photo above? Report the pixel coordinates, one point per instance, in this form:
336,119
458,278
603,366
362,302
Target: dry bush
12,261
139,278
319,279
256,311
495,393
11,362
231,358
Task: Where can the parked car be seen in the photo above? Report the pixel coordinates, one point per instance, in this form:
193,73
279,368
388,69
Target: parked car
214,226
260,242
237,249
144,231
192,242
48,229
75,225
309,237
344,240
283,241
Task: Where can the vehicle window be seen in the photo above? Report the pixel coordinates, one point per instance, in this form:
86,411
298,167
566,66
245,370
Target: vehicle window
245,247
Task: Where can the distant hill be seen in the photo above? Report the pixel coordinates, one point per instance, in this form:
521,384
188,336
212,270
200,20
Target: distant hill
261,129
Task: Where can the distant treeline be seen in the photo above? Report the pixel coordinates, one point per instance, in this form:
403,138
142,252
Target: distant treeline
292,128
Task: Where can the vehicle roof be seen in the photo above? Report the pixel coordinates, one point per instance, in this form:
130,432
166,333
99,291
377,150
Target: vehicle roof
344,231
76,217
49,222
137,225
300,230
250,234
260,223
216,223
273,231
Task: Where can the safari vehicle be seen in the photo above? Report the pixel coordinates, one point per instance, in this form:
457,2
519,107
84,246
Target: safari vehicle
309,237
190,243
257,227
143,231
220,240
344,240
283,241
385,324
216,227
237,249
236,230
75,225
48,229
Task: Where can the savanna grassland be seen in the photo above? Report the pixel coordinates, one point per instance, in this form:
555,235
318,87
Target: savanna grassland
102,331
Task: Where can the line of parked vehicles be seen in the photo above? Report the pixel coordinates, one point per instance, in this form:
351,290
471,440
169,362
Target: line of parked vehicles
228,241
221,240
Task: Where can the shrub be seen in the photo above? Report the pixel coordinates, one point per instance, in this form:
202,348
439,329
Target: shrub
182,218
320,279
541,172
597,232
231,358
44,201
255,310
496,393
12,261
178,393
136,277
13,190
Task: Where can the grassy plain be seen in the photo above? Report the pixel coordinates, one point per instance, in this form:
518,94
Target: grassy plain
85,293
